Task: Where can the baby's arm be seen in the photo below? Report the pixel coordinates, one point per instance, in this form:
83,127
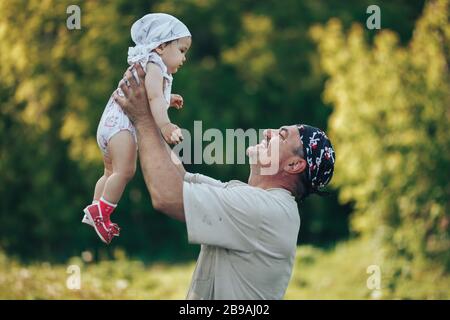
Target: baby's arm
154,87
158,105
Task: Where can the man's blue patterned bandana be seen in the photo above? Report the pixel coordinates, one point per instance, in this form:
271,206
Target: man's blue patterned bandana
319,154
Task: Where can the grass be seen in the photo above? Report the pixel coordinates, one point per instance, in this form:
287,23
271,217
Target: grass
342,273
338,273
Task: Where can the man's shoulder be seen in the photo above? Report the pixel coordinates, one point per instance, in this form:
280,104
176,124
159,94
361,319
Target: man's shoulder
271,193
261,199
240,194
236,183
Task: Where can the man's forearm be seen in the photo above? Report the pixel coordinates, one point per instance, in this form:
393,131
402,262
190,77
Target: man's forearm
161,175
176,161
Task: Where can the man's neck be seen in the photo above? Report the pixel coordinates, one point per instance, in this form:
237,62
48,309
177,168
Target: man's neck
271,181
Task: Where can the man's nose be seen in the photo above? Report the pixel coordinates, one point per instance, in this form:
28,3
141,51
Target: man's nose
268,133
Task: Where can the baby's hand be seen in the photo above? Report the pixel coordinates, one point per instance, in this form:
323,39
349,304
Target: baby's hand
172,133
176,101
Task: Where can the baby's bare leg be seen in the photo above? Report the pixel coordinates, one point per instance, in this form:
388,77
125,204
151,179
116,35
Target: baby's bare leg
122,152
100,186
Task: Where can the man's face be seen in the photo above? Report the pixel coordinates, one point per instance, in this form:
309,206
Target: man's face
277,149
174,54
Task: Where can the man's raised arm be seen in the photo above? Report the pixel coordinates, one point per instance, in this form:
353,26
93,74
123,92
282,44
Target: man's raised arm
163,180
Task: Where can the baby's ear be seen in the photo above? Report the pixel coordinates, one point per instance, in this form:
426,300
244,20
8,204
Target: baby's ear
160,48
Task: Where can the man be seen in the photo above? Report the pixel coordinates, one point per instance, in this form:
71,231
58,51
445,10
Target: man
248,232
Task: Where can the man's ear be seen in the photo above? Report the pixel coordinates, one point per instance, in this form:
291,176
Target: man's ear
295,165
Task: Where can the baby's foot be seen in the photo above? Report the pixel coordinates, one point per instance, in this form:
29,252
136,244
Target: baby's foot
104,232
113,226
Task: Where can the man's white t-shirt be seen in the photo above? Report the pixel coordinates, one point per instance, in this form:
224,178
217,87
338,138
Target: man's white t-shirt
248,237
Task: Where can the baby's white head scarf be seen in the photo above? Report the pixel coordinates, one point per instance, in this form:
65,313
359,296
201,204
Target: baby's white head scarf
152,30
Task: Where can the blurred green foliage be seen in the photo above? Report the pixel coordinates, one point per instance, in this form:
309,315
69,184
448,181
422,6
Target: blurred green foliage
391,123
253,64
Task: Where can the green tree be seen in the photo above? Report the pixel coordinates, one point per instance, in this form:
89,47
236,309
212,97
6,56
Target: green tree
390,126
252,65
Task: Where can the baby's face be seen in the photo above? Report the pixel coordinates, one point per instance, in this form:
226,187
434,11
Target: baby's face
174,54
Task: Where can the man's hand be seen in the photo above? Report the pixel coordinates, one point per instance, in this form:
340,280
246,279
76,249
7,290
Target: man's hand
135,102
176,101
